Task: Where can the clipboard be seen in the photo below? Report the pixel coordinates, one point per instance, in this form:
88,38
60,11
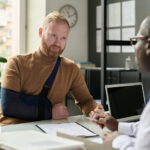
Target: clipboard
73,129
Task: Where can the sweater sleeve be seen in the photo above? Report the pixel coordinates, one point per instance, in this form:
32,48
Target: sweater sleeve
22,106
81,93
12,74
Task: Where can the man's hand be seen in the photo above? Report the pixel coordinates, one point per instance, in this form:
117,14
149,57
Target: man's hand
59,111
104,119
109,137
98,112
110,122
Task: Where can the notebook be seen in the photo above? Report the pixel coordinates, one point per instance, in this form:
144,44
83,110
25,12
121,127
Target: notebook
125,101
72,128
34,140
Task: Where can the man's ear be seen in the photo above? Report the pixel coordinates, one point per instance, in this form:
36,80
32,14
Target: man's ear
40,32
147,47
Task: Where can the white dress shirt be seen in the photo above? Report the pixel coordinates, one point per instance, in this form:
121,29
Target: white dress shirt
136,135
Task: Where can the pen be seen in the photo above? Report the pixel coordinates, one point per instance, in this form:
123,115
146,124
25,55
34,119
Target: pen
40,128
101,125
89,118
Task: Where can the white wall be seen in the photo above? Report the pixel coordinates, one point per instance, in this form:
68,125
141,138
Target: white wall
36,11
77,46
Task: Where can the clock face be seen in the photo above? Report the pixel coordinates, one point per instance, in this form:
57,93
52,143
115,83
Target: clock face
70,13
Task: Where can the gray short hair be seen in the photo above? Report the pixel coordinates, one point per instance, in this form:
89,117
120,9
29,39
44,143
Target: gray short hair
54,16
145,27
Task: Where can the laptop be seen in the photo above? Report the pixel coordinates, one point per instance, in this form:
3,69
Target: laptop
125,101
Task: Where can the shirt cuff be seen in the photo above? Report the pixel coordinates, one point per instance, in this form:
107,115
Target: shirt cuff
125,128
122,141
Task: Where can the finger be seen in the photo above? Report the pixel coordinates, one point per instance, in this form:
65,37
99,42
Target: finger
100,113
65,115
96,116
99,106
101,120
94,121
104,137
91,114
101,126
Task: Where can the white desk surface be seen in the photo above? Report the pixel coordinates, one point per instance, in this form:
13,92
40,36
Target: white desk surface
31,125
80,119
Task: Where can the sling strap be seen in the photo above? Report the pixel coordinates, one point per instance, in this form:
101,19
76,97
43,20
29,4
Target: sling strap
46,88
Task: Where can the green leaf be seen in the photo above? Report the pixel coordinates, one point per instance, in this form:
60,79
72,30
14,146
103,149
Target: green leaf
3,60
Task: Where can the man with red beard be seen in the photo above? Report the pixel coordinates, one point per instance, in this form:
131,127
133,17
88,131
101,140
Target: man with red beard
25,75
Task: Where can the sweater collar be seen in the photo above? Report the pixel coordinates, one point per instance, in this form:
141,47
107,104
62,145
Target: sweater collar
41,56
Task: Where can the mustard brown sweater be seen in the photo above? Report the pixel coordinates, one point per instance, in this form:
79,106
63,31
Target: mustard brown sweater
28,73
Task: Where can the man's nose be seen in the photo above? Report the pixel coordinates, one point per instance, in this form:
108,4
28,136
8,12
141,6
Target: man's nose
57,42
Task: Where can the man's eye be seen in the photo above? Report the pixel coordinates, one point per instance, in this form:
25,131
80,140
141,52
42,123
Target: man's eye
53,35
64,38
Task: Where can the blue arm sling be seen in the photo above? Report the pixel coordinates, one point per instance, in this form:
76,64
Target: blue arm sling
46,89
23,106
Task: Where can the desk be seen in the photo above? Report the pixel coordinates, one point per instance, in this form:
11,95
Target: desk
80,119
31,125
109,69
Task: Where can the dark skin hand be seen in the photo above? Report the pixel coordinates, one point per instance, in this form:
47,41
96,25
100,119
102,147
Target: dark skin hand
105,120
110,122
109,137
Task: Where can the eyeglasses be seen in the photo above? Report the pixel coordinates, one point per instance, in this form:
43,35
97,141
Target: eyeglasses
134,39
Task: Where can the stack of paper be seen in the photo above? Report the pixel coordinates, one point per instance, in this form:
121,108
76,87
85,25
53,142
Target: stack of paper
74,129
33,140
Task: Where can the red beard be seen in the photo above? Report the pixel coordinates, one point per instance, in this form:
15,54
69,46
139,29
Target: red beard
48,50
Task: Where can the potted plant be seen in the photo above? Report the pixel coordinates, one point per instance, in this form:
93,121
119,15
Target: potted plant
2,60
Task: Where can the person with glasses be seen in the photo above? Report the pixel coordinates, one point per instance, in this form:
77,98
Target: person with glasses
134,135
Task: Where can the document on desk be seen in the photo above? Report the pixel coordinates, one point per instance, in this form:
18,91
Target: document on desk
74,129
35,140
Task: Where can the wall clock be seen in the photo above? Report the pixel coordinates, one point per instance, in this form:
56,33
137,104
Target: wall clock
70,13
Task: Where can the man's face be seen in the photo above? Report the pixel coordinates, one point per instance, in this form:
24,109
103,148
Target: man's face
142,59
139,47
54,38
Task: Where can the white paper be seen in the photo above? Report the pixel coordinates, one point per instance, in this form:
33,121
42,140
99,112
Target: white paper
33,140
73,129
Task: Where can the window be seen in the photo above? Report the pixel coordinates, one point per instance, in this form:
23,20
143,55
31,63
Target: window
10,27
120,24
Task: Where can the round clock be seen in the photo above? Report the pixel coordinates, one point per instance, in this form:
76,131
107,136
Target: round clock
70,13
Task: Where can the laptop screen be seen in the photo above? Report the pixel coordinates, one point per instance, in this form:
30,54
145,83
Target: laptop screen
125,100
